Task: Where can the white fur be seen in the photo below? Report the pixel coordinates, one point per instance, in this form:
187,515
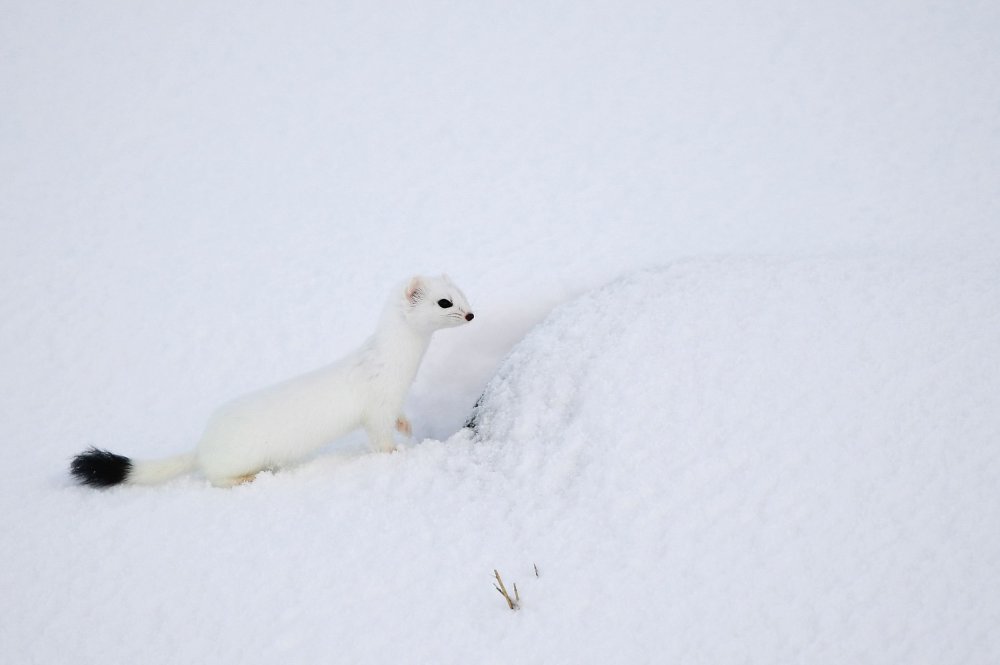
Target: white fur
281,424
158,471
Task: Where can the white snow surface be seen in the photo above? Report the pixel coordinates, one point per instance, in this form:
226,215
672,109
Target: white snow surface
772,461
736,275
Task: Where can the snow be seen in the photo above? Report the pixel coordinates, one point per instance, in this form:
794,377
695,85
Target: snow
790,458
735,275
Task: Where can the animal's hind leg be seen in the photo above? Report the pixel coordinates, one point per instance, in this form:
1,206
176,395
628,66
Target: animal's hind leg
233,481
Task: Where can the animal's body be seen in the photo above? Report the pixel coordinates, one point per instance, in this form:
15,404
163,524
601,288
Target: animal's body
276,426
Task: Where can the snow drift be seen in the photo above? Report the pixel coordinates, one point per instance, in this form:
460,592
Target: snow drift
762,461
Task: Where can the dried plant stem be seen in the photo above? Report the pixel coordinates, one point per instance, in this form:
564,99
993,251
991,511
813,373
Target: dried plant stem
512,603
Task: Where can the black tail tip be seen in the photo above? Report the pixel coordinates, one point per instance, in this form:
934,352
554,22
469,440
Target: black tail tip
99,468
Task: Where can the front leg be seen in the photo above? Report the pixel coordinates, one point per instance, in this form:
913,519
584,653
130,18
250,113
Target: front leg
403,426
380,436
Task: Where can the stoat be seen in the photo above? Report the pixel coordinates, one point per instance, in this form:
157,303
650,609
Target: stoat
276,426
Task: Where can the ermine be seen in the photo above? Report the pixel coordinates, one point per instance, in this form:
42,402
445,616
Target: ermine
279,425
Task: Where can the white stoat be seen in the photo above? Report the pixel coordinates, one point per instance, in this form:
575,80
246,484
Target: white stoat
281,424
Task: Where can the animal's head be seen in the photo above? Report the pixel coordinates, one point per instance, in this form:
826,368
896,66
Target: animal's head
435,302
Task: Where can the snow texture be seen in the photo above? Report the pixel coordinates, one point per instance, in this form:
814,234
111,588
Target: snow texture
772,461
736,275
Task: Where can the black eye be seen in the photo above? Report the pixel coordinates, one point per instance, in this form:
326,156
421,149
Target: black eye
444,303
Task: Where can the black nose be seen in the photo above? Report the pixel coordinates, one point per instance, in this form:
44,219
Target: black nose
469,316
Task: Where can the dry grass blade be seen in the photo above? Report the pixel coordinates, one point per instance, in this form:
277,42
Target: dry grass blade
512,603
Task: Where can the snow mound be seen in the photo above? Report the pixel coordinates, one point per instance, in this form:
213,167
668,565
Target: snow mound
763,461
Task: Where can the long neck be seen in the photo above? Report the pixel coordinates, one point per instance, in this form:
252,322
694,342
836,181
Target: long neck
399,346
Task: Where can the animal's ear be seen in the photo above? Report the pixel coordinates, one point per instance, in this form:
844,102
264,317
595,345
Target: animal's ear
415,289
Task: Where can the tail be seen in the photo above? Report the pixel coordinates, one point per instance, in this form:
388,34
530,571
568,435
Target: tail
99,468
